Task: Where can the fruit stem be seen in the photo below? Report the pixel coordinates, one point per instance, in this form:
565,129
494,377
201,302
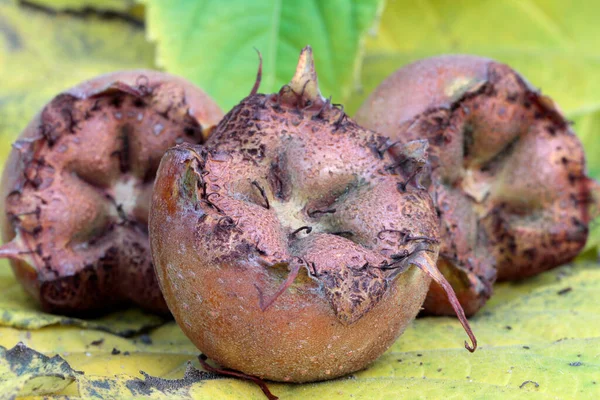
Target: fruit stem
227,372
427,265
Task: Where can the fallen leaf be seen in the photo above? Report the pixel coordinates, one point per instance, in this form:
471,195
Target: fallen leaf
149,388
19,310
520,341
25,372
124,7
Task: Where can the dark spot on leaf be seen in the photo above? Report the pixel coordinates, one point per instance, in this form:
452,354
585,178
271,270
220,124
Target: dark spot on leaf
145,339
84,14
564,291
526,382
102,384
145,387
11,36
576,364
26,363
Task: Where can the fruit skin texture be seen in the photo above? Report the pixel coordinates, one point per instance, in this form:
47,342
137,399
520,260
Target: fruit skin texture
77,184
508,172
274,164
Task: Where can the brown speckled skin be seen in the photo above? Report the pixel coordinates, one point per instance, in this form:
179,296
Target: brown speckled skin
358,286
76,188
509,173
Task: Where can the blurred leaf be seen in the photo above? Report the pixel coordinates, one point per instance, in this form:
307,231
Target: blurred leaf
42,54
538,338
587,126
116,6
25,372
19,310
554,44
212,44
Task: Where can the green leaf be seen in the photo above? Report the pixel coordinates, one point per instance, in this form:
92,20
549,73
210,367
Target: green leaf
25,372
554,44
212,44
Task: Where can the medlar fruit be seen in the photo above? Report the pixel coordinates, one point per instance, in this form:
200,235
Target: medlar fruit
508,172
77,184
302,248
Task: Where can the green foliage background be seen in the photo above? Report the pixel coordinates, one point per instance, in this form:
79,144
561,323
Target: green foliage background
539,338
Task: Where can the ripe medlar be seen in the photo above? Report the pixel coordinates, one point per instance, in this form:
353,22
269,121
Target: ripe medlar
303,248
508,172
77,184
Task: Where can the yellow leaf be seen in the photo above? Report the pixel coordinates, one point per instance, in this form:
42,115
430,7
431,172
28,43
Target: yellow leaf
25,372
115,6
20,311
540,337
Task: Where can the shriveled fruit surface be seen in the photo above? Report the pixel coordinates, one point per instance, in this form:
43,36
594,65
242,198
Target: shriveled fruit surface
304,248
508,172
76,189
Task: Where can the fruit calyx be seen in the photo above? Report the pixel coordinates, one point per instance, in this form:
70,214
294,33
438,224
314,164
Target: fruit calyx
303,90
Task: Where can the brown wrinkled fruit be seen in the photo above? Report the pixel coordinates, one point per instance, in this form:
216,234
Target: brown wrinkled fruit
508,172
77,185
303,248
